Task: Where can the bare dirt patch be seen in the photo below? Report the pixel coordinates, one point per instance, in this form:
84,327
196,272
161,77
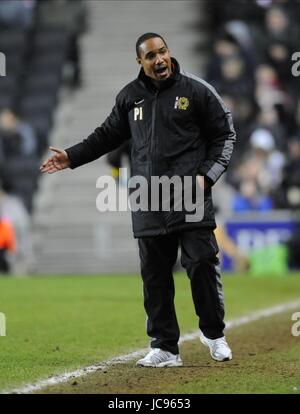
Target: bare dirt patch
266,360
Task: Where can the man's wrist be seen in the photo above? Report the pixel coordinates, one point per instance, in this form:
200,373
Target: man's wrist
71,165
208,182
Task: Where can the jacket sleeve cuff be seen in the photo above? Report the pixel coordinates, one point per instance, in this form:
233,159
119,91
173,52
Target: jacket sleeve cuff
213,173
73,164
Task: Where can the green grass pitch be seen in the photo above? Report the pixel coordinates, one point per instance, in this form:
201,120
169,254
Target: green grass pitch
58,324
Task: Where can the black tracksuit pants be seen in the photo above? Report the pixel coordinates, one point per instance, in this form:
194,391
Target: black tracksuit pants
158,255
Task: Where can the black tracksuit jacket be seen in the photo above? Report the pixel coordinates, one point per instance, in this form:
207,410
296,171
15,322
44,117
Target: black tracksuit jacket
183,129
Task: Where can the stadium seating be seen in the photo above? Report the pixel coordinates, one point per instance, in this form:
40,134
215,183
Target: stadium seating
35,59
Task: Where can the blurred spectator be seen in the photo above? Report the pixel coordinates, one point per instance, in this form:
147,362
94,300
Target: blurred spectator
18,13
259,171
19,169
278,26
268,90
288,195
227,46
13,211
224,46
268,118
244,110
250,198
234,78
278,54
16,136
7,243
241,31
269,159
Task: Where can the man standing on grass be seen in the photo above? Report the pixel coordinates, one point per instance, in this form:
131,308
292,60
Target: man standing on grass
179,126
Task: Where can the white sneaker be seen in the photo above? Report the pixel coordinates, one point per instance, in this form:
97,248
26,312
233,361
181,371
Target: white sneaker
219,349
159,358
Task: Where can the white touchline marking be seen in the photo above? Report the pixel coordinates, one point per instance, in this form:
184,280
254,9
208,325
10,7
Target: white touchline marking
58,379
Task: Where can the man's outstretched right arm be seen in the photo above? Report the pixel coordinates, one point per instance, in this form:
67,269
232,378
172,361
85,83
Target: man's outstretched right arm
109,136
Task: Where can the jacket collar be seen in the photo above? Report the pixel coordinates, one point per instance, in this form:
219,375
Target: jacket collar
167,83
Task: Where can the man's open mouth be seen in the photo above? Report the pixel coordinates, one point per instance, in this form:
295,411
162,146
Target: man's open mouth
161,70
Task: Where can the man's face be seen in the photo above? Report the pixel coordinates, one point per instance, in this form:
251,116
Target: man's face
155,59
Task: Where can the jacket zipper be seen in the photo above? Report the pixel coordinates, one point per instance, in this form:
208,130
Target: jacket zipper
152,138
152,151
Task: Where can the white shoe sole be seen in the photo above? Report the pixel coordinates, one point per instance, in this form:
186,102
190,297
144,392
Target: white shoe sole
229,358
170,364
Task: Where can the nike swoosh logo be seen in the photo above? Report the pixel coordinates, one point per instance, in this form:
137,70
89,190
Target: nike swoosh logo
139,102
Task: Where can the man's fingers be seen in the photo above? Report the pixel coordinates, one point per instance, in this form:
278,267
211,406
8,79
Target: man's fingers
52,170
51,165
49,169
46,168
46,162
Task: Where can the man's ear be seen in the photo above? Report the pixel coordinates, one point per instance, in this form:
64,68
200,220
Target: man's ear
139,61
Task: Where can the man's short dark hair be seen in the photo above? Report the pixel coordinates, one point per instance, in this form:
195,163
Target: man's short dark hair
145,37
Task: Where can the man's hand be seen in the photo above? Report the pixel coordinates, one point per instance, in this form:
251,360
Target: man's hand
57,162
202,182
